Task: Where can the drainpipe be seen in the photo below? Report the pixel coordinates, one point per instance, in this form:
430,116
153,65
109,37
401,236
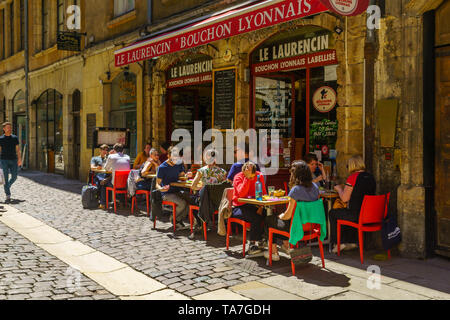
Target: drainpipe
27,91
369,96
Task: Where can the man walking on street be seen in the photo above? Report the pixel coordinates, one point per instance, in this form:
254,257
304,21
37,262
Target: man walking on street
10,158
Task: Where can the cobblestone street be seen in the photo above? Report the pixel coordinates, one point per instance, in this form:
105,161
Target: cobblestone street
191,268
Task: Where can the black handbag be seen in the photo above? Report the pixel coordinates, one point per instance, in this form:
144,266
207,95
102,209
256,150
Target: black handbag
391,234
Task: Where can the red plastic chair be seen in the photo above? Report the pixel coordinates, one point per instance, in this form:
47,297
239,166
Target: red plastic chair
120,187
311,231
245,226
174,213
373,211
147,196
191,220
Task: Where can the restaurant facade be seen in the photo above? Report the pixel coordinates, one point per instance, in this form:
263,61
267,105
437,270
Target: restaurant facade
330,84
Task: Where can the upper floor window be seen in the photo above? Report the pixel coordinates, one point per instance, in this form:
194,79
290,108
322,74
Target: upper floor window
3,34
12,29
22,25
45,24
60,14
123,6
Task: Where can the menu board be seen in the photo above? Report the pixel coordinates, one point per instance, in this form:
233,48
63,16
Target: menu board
224,98
183,117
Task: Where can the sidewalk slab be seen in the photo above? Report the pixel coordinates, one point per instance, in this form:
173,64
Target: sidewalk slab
167,294
126,282
222,294
95,262
386,291
17,220
350,295
310,290
430,293
43,235
68,249
259,291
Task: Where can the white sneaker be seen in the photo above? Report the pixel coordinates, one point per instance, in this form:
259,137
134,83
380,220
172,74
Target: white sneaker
335,248
350,246
275,256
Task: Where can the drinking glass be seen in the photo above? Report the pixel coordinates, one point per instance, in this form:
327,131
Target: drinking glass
271,190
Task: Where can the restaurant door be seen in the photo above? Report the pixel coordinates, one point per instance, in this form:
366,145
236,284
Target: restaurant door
189,98
187,105
19,119
442,138
442,130
50,132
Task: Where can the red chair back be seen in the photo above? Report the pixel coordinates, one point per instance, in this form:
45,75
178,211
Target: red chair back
374,209
120,179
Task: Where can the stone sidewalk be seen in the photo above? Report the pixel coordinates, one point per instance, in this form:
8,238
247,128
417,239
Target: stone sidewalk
178,268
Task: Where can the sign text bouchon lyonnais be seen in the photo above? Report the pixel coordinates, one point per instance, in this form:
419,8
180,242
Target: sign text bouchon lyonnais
267,16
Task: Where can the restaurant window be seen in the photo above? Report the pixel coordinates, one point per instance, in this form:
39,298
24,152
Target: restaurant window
60,15
123,6
123,107
294,91
189,84
12,29
50,132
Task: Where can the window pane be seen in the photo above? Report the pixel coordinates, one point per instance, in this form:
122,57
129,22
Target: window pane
273,101
123,6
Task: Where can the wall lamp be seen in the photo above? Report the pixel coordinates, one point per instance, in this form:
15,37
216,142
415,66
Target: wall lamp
338,30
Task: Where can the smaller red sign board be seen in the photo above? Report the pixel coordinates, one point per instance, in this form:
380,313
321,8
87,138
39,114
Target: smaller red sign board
190,80
323,58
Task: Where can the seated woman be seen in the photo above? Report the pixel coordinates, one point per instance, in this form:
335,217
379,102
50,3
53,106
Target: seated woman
244,187
302,189
359,184
209,175
142,157
149,167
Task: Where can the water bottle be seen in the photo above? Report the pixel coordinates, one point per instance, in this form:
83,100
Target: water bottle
258,190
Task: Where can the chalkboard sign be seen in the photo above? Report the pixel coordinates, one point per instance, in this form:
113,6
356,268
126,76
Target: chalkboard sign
224,99
91,124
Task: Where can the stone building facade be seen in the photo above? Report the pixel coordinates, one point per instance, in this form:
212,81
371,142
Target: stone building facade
377,70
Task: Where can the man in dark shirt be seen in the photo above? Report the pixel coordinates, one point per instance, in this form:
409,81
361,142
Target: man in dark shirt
10,158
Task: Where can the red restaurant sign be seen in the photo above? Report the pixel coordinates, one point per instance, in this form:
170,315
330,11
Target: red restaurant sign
322,58
347,7
190,80
262,15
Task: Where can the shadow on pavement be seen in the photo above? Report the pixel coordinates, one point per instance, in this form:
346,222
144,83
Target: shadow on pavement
53,181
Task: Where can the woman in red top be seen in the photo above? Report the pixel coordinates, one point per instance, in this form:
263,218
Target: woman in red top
359,184
244,187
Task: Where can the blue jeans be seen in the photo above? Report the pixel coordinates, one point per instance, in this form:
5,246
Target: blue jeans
9,166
